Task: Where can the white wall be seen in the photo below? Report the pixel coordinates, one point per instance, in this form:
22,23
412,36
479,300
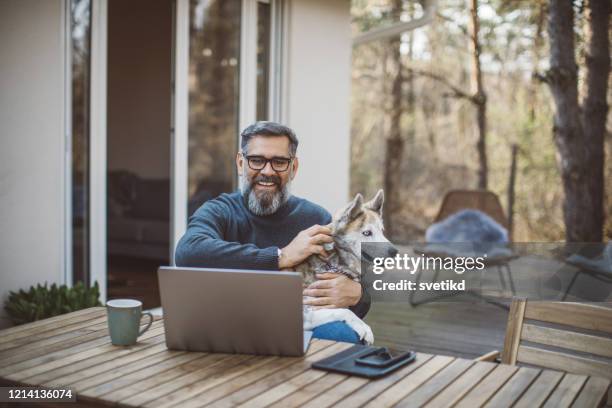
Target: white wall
31,144
317,97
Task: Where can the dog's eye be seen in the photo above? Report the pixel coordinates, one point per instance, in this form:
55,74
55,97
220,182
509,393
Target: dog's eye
367,233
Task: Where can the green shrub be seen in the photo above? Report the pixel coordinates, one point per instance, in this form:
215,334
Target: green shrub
41,301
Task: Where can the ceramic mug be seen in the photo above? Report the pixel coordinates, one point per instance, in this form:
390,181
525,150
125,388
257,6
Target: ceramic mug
124,321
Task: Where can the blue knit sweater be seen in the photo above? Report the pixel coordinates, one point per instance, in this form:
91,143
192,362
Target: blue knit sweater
224,233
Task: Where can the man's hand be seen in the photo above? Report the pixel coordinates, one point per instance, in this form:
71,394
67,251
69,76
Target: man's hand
332,291
306,243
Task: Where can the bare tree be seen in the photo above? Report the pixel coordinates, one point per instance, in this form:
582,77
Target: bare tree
479,97
476,95
579,128
395,142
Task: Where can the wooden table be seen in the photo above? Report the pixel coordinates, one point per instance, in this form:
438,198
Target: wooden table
74,351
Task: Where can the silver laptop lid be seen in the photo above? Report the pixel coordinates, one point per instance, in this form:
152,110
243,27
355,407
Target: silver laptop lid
232,311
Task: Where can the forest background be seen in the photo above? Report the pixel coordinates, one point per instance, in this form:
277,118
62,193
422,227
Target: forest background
418,115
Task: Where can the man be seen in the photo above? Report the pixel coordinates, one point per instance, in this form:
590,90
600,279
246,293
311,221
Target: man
262,226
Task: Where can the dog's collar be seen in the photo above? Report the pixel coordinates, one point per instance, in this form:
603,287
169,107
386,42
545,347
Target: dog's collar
334,269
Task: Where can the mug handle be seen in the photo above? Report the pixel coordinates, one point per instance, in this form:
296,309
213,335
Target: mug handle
148,325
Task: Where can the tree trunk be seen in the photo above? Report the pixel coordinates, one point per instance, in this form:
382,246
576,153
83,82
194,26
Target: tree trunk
579,135
595,109
538,44
395,142
479,96
511,193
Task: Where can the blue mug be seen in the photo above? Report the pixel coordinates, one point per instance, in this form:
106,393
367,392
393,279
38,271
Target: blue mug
124,321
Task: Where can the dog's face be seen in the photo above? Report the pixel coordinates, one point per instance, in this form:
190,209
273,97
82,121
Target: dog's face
361,222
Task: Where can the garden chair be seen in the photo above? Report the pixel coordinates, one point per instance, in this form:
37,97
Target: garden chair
488,203
564,336
598,267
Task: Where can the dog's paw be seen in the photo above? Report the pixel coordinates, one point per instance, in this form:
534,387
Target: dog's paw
363,330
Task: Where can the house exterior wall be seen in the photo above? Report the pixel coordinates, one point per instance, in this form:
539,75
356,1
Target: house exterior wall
31,145
317,97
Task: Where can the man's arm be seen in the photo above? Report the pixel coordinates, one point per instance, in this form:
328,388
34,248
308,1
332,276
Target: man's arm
362,307
203,245
332,290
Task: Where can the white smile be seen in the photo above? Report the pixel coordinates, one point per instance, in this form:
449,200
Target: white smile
266,184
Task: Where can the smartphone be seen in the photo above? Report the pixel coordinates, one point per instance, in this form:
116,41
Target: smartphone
384,357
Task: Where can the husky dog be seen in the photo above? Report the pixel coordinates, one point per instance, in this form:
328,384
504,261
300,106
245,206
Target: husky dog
356,223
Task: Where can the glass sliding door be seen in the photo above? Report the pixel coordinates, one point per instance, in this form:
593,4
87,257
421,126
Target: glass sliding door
214,57
138,146
263,59
81,64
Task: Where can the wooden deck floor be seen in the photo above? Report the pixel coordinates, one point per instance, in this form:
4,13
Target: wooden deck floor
464,329
459,329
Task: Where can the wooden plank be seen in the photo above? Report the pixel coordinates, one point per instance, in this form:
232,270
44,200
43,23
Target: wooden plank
333,395
286,374
191,389
94,356
540,389
134,395
462,385
77,369
586,343
50,354
513,331
83,327
24,355
60,337
305,394
15,332
566,392
480,394
513,388
373,388
236,384
582,315
284,389
434,385
141,370
409,383
593,394
562,361
137,393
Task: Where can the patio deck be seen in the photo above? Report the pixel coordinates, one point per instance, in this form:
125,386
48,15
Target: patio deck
469,328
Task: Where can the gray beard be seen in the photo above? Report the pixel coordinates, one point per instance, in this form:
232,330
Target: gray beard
269,203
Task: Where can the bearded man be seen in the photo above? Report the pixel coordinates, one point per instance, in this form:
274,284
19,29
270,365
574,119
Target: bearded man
263,227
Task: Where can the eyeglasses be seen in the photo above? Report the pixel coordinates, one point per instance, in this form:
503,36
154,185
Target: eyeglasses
279,164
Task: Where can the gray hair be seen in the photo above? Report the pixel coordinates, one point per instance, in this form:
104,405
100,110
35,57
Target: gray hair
265,128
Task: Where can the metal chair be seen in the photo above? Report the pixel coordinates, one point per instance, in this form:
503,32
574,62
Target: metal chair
488,203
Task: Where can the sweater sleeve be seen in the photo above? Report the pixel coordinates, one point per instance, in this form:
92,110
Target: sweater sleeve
203,245
362,307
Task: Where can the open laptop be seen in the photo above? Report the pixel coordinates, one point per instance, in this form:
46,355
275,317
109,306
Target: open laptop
233,311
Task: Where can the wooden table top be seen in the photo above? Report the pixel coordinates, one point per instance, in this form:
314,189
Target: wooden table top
74,351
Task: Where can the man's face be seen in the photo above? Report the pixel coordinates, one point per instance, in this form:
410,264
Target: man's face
266,189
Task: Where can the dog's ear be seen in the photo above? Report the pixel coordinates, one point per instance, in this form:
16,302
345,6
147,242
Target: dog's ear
352,210
376,204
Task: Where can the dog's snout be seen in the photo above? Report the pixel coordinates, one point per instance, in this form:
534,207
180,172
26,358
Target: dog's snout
392,251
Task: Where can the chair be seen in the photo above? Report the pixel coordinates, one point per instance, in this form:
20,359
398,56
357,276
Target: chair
598,267
564,336
488,203
482,200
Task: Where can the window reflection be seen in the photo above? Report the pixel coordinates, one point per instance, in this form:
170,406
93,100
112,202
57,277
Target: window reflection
213,98
80,40
263,59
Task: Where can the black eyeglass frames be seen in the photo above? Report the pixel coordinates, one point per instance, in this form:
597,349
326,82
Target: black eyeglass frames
278,164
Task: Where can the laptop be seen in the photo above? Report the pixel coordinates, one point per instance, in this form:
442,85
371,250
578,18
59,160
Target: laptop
233,311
